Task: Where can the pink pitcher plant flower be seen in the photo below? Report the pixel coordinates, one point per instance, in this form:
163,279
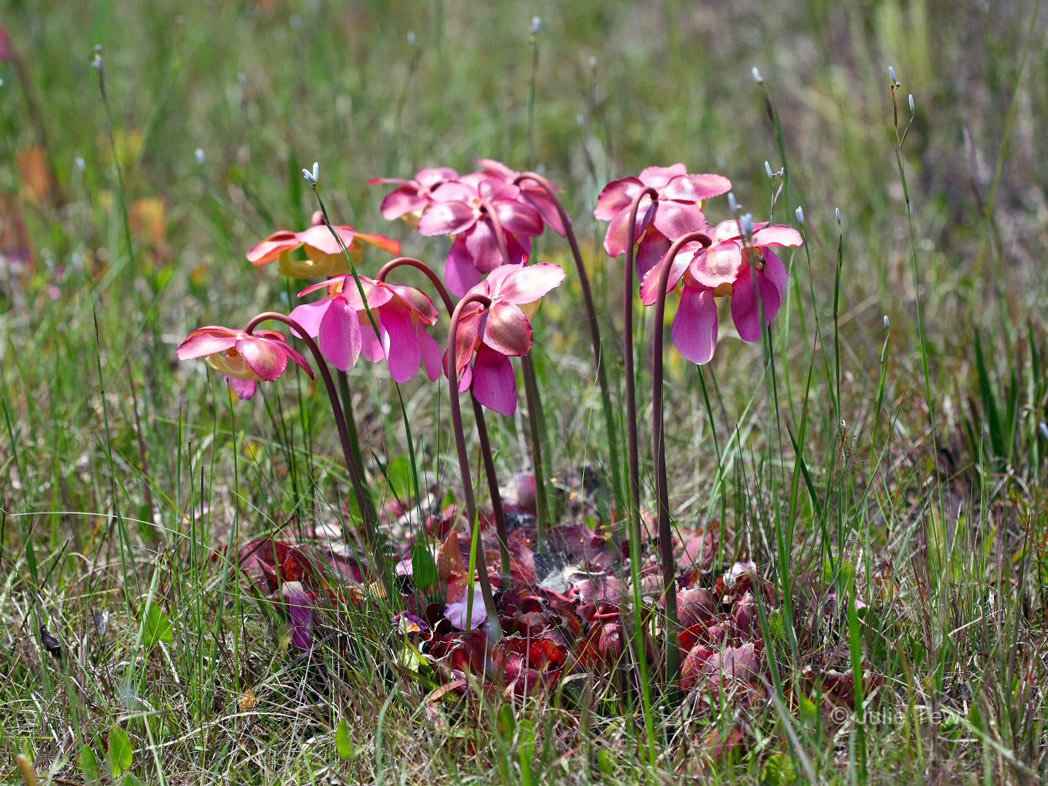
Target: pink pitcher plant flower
531,192
411,197
324,256
727,268
340,322
488,337
244,358
467,210
678,210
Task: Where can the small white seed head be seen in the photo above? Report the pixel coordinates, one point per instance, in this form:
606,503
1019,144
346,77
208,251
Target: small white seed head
757,75
891,73
312,176
536,25
887,322
837,214
768,171
733,206
800,215
913,105
200,156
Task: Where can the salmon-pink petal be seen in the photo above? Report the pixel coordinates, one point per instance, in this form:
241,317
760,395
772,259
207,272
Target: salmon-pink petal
694,188
468,334
539,200
430,353
616,197
464,189
308,315
272,247
379,241
404,354
402,201
777,235
418,302
263,356
460,274
719,264
651,249
518,217
299,360
526,284
676,219
431,177
695,326
244,388
519,248
320,238
446,218
483,248
725,230
745,309
340,335
494,384
658,176
496,168
494,189
615,239
507,329
649,287
207,341
371,348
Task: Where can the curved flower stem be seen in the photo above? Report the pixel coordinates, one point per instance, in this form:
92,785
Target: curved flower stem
531,391
594,327
467,480
640,643
669,573
478,411
356,475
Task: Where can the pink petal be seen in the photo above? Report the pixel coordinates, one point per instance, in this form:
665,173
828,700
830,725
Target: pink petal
519,217
206,341
725,230
308,315
695,326
263,356
777,235
483,248
431,177
468,335
649,287
658,176
430,353
371,348
744,307
507,330
676,219
404,354
378,241
494,383
462,190
694,188
244,388
401,201
446,218
651,249
456,612
719,264
320,238
460,274
529,283
616,197
340,335
272,247
615,239
538,199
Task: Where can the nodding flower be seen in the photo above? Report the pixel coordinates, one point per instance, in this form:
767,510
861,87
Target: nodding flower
488,336
341,324
244,358
677,211
323,252
411,197
734,266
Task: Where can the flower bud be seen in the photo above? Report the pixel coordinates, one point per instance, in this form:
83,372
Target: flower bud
757,75
800,215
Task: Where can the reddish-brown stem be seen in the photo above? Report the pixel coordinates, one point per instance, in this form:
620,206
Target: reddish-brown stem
531,394
478,412
669,573
594,327
356,475
464,471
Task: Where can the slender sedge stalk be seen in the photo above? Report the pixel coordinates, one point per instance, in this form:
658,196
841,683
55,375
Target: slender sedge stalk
594,328
464,471
634,466
531,392
669,573
356,476
478,412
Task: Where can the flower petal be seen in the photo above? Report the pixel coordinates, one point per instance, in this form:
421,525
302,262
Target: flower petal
264,356
494,384
460,274
430,353
272,247
404,353
483,248
379,241
651,249
777,235
719,264
340,335
649,287
507,329
618,230
244,388
446,218
402,201
676,219
518,217
658,176
695,326
616,197
320,238
745,309
308,315
695,188
526,284
207,341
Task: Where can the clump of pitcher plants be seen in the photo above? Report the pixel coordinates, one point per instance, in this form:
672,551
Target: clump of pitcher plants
550,576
